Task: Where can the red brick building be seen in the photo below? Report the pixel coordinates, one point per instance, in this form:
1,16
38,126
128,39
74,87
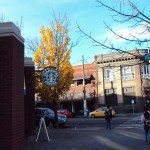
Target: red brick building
73,99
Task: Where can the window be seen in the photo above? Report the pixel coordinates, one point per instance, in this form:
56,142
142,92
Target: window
79,82
128,95
145,71
144,51
108,74
127,72
128,89
73,83
110,91
88,81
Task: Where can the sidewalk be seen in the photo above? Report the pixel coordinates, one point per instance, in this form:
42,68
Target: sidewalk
129,114
129,136
117,115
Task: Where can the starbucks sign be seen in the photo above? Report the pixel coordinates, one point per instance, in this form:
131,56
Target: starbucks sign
50,76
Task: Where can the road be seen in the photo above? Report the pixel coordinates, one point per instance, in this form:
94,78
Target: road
94,122
90,134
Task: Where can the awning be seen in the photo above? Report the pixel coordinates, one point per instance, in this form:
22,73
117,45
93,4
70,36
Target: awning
80,77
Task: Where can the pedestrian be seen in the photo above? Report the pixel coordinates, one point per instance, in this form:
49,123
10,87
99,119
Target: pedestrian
108,117
145,119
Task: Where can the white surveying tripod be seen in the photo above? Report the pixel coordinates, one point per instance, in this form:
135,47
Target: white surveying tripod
42,123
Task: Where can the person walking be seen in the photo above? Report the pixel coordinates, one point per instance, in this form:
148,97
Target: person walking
145,119
108,117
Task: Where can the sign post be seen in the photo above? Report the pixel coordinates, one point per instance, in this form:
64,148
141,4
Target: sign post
132,101
147,57
85,107
50,77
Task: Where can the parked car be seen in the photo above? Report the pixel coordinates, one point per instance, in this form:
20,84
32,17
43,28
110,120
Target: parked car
65,112
100,112
49,116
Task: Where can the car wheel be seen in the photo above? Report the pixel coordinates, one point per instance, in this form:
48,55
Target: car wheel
61,125
51,124
92,116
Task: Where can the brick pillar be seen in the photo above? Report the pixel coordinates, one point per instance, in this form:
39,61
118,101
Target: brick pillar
138,88
138,82
11,88
119,85
29,100
101,86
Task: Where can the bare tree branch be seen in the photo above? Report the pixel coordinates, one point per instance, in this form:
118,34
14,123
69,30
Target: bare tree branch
104,45
134,38
32,45
20,23
139,18
134,17
2,18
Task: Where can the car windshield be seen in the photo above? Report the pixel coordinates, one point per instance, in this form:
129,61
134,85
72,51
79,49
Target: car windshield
103,108
46,110
49,111
61,110
99,109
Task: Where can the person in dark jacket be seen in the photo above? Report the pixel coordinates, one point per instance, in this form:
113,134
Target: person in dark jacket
108,117
145,119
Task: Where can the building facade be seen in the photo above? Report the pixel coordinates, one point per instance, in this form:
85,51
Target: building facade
123,80
74,98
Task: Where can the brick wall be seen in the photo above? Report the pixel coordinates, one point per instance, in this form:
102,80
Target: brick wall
29,101
11,93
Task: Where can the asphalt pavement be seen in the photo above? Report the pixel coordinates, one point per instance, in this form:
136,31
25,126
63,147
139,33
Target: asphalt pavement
126,136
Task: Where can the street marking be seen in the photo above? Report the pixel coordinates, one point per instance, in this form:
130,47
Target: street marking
87,128
130,126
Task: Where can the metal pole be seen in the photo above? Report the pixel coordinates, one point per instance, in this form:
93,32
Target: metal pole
133,108
84,90
133,102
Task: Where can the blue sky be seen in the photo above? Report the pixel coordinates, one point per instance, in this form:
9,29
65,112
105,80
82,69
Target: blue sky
37,13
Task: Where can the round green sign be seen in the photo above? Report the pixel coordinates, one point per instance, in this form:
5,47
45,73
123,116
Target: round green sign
50,76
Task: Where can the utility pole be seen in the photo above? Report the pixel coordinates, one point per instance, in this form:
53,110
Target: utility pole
84,91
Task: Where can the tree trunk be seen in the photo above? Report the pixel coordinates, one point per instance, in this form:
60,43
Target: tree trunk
55,113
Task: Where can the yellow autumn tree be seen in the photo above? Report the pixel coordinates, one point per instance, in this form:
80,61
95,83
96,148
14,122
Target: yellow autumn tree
54,51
